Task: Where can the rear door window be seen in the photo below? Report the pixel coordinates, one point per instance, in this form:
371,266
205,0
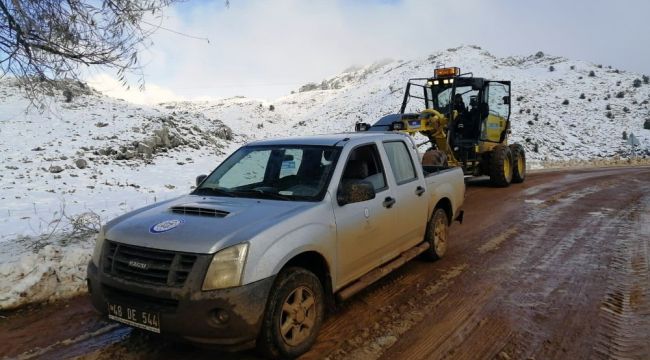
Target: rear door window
400,161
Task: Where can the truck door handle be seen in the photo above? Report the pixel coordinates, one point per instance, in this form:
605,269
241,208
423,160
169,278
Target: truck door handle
389,202
419,191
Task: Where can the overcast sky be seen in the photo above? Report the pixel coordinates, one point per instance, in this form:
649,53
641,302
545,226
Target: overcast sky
265,49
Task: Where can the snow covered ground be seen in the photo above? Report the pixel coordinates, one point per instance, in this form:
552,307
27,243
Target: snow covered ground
71,166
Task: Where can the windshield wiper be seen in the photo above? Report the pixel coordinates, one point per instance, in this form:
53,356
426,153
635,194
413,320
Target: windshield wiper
265,194
212,191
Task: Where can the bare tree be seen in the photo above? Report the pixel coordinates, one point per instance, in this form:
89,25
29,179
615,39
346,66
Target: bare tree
46,40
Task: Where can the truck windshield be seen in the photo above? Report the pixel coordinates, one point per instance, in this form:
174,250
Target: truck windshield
292,173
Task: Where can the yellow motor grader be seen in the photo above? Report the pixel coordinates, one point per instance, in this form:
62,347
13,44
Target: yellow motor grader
466,120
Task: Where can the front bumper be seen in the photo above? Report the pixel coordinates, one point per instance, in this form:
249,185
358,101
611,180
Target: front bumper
190,314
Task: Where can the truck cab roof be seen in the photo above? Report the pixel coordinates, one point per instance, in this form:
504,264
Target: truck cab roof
331,139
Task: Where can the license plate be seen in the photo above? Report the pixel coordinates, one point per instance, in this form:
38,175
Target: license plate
146,320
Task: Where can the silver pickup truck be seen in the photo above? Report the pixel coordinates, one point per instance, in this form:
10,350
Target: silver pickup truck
277,233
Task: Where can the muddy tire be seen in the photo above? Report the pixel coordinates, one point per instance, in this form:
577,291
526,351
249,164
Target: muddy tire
518,163
294,315
437,235
501,166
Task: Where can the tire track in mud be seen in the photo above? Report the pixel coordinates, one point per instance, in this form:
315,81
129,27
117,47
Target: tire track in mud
562,289
397,320
625,309
542,280
114,332
485,335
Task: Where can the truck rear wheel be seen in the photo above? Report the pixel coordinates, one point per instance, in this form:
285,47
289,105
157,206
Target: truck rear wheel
518,162
294,315
501,166
437,235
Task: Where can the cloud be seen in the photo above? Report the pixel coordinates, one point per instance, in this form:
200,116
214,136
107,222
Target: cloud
152,94
266,49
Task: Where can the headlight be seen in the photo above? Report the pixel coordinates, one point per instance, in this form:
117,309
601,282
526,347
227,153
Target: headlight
99,244
226,268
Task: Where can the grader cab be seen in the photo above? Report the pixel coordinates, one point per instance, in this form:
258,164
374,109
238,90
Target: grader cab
466,120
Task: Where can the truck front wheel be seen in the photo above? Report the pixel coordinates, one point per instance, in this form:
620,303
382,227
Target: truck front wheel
294,315
436,235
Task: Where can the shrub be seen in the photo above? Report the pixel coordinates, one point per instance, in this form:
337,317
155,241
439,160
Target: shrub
551,68
67,93
620,95
271,108
592,73
626,109
600,66
609,115
539,54
646,79
565,102
582,96
646,124
608,107
572,67
624,135
636,83
519,98
530,122
536,148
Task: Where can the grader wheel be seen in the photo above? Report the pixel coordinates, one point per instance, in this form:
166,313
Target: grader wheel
518,162
501,166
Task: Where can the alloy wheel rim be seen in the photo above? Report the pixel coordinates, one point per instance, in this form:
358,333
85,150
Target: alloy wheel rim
440,236
507,169
298,316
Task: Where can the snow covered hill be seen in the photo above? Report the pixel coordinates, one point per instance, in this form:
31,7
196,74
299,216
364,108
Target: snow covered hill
72,165
602,102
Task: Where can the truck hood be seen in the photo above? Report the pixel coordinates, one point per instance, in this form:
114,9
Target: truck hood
200,224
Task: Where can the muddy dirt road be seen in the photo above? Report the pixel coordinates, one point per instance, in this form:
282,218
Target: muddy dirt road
555,268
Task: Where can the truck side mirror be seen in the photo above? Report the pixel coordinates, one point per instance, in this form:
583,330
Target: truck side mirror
353,191
506,100
199,179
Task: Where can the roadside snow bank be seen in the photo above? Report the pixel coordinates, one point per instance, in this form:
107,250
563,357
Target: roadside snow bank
50,273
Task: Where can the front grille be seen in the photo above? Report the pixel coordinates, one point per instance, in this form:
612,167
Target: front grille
146,265
192,210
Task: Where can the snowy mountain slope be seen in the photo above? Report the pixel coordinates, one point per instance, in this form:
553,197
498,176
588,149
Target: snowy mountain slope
581,129
73,166
65,170
89,155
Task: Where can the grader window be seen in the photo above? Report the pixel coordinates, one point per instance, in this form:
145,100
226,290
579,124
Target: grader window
496,94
